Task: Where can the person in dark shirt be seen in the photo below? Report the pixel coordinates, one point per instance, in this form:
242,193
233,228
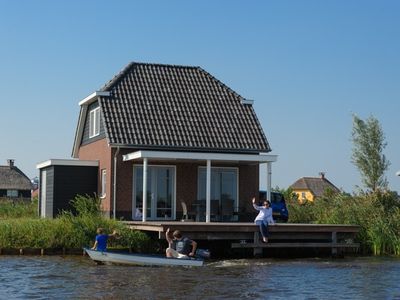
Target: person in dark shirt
179,246
100,243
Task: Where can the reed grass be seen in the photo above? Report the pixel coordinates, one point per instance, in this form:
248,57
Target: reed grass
23,229
377,214
18,208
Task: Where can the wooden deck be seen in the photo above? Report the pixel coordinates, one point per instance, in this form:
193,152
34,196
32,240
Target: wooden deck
246,235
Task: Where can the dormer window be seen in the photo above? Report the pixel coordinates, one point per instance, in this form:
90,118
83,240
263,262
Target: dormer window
94,122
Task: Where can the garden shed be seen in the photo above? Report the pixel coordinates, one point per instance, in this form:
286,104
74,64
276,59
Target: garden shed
61,180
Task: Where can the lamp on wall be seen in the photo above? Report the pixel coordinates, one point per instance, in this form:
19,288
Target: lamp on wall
398,173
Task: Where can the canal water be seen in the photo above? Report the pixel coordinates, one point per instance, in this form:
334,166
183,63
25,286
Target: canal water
54,277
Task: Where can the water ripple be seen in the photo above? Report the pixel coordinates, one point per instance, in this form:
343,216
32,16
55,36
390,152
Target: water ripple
53,277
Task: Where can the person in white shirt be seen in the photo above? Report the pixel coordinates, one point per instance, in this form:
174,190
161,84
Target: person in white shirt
264,218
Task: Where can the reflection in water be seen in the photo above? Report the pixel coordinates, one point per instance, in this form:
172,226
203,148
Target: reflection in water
79,278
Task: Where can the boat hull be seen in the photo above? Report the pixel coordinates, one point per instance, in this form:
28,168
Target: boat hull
140,259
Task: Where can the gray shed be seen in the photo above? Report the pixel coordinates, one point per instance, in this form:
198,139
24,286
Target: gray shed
61,180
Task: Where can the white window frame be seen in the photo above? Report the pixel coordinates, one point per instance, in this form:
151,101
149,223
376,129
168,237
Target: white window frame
103,183
94,122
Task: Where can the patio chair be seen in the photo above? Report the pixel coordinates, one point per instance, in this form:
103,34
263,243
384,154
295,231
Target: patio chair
214,210
227,211
186,215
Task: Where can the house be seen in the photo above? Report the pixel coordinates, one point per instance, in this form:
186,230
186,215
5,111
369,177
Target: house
310,188
171,134
14,184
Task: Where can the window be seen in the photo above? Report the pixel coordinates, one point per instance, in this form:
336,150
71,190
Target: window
103,183
303,196
94,122
12,193
224,184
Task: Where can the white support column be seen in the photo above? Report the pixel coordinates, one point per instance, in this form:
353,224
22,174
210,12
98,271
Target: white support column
208,191
144,198
269,174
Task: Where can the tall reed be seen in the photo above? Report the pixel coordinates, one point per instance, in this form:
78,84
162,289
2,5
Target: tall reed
377,214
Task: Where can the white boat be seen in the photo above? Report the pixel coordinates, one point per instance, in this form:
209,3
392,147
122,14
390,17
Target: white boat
140,259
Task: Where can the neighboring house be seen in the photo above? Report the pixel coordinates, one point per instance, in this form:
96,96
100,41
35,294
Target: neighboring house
191,137
14,184
310,188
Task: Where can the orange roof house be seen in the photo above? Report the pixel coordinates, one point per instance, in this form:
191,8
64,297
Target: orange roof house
310,188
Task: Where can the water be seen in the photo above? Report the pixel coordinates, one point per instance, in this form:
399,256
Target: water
53,277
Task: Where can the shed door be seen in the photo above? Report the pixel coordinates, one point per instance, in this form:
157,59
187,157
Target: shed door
46,208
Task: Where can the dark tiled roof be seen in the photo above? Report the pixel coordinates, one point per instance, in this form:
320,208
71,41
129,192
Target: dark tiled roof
12,178
316,185
178,108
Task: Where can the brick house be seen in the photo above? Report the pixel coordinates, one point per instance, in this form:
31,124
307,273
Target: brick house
178,134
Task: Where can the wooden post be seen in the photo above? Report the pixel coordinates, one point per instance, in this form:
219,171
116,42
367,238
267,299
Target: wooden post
334,241
257,251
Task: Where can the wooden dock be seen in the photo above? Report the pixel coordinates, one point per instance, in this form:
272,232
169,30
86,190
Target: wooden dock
246,235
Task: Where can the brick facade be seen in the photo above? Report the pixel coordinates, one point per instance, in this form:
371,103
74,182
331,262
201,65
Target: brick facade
186,180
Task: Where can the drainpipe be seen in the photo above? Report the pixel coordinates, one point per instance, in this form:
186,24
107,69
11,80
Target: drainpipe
115,185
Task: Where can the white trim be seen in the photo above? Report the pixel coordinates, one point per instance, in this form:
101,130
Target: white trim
208,191
92,97
103,183
247,101
173,155
67,162
144,196
269,185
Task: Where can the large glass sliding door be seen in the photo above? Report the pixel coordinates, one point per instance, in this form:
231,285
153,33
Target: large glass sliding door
160,192
224,190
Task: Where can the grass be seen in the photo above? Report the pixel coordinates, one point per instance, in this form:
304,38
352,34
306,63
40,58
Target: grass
20,227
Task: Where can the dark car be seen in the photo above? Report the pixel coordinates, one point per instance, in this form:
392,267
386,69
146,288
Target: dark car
279,209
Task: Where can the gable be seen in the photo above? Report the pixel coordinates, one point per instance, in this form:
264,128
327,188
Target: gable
86,139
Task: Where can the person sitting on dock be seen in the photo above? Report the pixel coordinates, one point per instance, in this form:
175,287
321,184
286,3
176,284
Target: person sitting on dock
179,246
264,218
100,243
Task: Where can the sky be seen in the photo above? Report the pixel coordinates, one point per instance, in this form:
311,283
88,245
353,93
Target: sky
308,66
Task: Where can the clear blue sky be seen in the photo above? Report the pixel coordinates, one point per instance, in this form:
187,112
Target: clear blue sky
309,65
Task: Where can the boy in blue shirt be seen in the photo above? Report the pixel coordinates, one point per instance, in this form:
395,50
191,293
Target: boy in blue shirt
100,243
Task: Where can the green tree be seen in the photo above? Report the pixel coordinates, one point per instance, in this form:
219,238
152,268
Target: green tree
368,144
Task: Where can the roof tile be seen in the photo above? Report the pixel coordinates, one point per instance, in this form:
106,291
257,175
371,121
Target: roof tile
178,107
